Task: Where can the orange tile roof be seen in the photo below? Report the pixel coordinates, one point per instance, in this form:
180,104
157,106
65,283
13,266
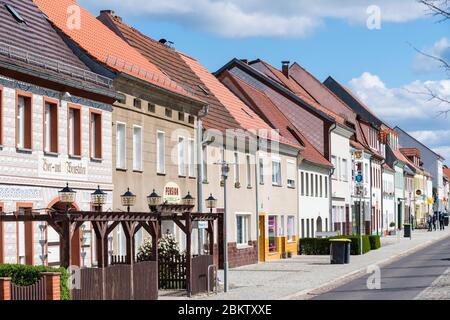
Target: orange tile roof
447,172
245,116
104,45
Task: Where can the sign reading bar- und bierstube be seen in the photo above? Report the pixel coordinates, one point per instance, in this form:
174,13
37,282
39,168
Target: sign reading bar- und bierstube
63,168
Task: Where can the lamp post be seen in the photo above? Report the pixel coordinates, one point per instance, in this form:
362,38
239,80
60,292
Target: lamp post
128,199
225,168
153,200
98,199
67,196
188,200
211,203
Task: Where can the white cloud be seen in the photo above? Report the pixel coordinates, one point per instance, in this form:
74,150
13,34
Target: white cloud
440,49
406,102
406,108
256,18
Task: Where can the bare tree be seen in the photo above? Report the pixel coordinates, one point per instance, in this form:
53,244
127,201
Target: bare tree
440,9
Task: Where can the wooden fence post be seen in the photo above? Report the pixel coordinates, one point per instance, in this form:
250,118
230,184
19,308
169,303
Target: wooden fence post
5,288
52,285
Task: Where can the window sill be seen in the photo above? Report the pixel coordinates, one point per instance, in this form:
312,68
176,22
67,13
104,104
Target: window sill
205,182
51,154
138,171
162,174
98,160
121,169
291,187
24,150
243,246
181,176
249,187
74,157
276,185
192,177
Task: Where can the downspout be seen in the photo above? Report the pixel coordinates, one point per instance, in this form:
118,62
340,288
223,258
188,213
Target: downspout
382,196
371,193
330,209
199,138
257,199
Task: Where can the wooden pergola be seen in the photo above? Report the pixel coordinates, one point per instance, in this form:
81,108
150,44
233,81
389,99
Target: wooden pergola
66,223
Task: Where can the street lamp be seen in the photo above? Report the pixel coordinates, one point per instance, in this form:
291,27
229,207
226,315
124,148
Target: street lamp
189,200
128,199
153,200
67,195
98,198
211,202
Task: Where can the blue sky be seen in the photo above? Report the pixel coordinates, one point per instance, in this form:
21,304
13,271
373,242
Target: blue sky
326,37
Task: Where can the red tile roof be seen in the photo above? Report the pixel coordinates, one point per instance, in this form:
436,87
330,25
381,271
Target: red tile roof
270,111
446,172
293,86
104,45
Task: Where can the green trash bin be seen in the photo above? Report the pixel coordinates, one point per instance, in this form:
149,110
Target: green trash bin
340,251
407,230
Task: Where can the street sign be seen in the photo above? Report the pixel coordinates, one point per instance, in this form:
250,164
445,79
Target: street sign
202,224
359,178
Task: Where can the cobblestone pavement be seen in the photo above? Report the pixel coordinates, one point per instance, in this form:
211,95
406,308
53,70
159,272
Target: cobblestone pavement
301,277
439,289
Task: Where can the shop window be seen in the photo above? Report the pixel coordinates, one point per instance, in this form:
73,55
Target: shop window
74,131
290,228
50,127
96,135
24,122
272,231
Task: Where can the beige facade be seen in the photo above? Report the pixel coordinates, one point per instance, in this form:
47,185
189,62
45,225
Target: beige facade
143,120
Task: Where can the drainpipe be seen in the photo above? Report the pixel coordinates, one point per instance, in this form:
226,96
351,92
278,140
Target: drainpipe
371,193
330,209
199,138
257,198
382,197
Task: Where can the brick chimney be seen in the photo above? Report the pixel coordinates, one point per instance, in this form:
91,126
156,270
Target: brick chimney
110,13
244,61
285,68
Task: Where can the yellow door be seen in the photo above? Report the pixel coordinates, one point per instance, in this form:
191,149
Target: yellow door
262,239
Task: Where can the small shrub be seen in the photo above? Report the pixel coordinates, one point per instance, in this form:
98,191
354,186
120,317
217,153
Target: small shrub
167,247
375,242
321,246
25,275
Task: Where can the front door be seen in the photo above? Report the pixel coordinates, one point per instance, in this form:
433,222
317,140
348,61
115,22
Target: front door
262,238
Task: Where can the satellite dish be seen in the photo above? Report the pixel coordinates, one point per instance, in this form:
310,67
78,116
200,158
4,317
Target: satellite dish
163,41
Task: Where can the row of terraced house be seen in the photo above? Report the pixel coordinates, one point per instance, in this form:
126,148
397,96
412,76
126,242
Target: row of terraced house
94,103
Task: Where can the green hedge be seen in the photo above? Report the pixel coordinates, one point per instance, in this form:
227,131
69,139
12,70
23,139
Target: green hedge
321,246
25,275
375,242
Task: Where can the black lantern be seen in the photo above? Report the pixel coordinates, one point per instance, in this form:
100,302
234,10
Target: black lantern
67,195
128,199
98,198
211,202
153,200
189,200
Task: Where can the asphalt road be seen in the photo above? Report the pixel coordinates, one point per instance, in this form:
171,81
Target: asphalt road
403,279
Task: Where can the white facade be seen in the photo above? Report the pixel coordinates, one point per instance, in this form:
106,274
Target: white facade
388,200
314,200
341,180
31,178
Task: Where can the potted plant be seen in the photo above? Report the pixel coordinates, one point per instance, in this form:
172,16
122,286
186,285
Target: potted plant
289,254
392,231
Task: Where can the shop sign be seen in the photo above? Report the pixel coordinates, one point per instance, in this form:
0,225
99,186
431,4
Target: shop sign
67,169
172,193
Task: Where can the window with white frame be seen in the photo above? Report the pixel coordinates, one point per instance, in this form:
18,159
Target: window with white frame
261,170
302,183
191,152
311,176
161,152
51,127
121,145
291,173
242,229
326,187
344,169
205,164
276,172
307,183
334,163
281,226
137,148
181,156
24,122
236,167
290,228
248,171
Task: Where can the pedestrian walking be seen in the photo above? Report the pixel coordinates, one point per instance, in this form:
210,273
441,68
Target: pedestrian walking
430,223
434,221
441,221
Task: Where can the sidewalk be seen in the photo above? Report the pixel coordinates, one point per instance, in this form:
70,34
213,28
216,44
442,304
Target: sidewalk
294,278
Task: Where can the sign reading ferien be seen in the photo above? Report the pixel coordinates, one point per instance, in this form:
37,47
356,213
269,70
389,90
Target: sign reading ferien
172,193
